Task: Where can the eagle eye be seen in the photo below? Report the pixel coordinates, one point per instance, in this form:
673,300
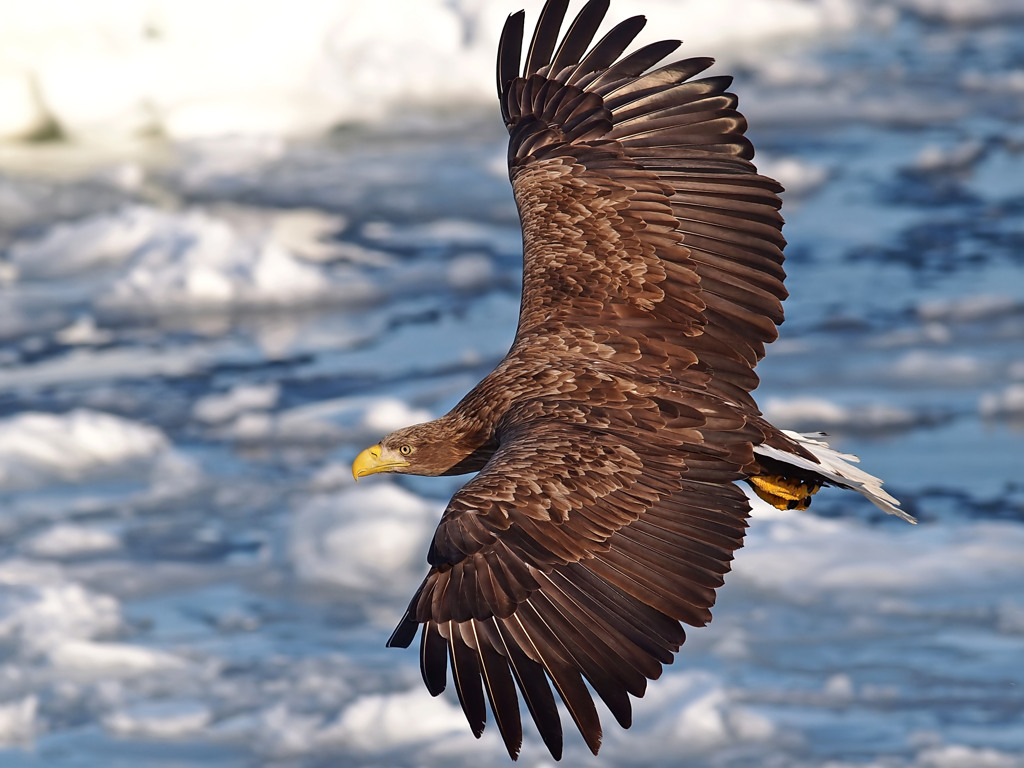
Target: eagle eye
405,450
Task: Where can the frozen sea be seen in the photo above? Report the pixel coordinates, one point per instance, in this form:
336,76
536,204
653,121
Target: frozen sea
199,332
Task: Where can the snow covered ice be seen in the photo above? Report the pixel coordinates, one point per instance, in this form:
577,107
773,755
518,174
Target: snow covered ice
260,235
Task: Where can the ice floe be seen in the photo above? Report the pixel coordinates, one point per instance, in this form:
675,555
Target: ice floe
221,407
196,257
1007,403
815,413
406,719
43,611
18,721
71,540
789,552
159,719
392,525
39,448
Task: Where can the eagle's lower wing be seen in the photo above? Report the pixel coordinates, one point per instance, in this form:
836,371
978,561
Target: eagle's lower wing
642,214
652,248
573,556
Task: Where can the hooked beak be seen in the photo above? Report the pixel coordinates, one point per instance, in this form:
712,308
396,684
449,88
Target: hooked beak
376,459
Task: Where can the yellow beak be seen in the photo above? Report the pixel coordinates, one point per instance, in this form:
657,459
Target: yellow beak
376,459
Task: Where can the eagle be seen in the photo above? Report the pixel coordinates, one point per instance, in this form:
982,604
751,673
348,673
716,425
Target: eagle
610,440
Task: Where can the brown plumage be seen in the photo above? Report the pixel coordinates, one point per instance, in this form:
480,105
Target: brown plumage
610,438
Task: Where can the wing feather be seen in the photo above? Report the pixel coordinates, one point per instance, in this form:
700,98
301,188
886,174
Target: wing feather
630,66
466,674
652,83
610,47
564,674
498,684
545,35
577,38
529,676
510,51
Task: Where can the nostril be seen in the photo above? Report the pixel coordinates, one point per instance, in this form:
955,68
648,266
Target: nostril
375,452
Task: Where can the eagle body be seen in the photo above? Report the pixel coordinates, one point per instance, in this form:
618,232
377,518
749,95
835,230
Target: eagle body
610,439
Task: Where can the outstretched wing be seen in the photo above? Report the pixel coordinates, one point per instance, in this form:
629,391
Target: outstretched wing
608,514
572,557
638,199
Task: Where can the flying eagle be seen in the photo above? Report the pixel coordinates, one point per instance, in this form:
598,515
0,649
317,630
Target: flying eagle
609,440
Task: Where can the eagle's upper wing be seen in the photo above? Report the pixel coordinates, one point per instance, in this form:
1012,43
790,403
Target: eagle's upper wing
638,200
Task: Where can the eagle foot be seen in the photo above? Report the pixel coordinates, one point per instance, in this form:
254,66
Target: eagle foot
784,492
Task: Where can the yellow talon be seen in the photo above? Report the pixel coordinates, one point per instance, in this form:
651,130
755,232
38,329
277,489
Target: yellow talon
784,492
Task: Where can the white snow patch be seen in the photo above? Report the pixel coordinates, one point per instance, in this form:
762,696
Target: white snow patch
39,448
168,259
932,368
240,414
221,407
293,426
369,538
332,476
687,712
41,617
326,421
307,233
936,158
70,248
398,720
127,362
470,271
796,412
70,540
484,331
18,720
284,732
83,331
798,176
805,413
1008,402
839,688
252,428
388,414
187,68
927,333
1009,81
443,233
196,258
974,308
809,558
962,756
159,719
91,659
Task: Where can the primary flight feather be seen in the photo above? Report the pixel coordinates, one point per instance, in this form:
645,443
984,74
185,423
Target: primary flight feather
609,441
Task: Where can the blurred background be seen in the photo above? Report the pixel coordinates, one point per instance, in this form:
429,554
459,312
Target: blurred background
239,241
